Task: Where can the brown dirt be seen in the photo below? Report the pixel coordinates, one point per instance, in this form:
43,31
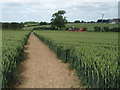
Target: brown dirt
41,68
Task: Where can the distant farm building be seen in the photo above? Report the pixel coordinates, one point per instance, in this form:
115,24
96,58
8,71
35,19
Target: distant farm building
115,21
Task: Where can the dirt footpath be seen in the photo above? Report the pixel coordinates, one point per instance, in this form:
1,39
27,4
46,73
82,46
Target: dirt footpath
41,68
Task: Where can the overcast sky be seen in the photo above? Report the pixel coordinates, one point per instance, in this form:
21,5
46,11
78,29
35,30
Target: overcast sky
42,10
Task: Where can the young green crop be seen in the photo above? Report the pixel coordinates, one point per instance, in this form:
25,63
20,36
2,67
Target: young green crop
93,54
13,42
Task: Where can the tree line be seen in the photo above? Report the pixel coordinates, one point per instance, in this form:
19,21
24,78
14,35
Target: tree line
12,25
98,21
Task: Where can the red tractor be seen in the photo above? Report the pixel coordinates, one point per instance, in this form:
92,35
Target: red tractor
82,30
74,29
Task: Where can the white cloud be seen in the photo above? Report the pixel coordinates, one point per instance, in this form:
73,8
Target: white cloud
43,10
17,0
59,1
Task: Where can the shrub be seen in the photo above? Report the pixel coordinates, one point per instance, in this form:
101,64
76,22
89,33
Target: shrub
97,29
84,28
106,29
115,29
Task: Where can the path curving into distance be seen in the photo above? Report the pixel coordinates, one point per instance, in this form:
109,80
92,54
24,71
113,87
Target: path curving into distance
41,68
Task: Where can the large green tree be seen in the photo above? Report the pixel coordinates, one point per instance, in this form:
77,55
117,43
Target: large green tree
59,20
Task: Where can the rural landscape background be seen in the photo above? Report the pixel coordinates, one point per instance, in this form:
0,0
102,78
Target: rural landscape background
59,44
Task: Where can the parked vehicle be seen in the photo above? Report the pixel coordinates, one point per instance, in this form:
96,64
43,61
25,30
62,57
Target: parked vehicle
75,29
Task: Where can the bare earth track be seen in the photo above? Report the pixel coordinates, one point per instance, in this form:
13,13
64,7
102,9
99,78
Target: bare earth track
41,68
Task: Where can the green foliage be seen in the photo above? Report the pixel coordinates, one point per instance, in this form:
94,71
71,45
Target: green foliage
94,55
12,25
43,23
115,29
13,52
58,21
31,24
97,29
44,28
85,29
90,26
106,29
77,21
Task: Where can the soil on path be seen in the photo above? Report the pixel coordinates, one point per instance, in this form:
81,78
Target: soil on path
41,68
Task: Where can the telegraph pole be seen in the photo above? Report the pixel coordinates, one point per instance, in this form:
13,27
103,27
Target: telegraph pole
102,17
102,22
